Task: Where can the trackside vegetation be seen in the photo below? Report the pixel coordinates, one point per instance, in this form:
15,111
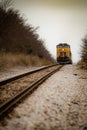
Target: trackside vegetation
19,42
83,62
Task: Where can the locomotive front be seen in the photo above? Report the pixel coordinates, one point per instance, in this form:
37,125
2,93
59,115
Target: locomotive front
63,53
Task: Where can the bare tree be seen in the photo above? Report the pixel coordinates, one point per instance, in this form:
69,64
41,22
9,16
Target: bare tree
6,4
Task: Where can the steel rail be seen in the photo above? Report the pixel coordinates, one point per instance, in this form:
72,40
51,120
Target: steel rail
8,80
6,107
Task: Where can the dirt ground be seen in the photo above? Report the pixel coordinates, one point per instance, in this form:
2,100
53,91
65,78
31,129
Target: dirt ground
60,103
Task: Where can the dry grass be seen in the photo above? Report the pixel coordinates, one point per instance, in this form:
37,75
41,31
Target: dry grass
8,60
82,65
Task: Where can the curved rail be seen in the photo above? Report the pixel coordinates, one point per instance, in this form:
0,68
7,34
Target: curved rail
5,107
8,80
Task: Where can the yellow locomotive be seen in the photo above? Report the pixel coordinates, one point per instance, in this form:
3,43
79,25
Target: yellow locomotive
63,53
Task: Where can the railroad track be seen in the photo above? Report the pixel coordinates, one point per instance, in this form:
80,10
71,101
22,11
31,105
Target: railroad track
8,80
10,103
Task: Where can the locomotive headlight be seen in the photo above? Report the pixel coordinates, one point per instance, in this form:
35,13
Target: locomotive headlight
62,49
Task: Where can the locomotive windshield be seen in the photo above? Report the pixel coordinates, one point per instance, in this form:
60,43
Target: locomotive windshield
65,45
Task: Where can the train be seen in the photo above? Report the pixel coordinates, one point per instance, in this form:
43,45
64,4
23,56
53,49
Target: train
63,53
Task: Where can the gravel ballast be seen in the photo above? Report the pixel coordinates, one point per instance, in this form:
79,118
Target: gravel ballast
11,89
60,103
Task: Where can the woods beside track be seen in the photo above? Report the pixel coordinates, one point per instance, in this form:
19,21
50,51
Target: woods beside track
20,44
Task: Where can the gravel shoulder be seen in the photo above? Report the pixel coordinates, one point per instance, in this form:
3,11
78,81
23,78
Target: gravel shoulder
60,103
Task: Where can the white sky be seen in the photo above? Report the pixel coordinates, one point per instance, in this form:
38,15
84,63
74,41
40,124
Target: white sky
58,22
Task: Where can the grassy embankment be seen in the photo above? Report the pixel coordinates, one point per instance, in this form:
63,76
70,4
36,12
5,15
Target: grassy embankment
9,60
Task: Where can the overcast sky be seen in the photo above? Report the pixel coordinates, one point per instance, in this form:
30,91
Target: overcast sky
58,20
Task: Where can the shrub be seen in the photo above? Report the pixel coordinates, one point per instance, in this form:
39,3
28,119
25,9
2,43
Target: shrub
83,62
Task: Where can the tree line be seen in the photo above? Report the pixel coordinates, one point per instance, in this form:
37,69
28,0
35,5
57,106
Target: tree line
18,37
84,53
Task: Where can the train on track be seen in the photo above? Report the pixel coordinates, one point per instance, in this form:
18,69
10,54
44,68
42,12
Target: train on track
63,53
